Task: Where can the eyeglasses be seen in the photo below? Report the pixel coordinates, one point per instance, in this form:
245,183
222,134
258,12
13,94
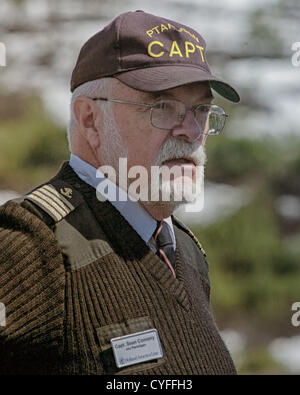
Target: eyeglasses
169,114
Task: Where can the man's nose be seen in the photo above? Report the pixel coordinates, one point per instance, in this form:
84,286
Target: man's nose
189,130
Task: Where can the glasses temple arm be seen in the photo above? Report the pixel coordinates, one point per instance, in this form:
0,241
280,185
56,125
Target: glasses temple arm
122,101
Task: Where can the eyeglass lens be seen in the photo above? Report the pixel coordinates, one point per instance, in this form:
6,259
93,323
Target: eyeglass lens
169,114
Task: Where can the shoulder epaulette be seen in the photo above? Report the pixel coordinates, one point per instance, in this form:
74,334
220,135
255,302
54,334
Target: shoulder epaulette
57,198
188,231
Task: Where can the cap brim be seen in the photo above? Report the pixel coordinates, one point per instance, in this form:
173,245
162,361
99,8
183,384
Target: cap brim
159,78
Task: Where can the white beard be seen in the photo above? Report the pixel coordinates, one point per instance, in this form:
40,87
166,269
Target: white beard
181,190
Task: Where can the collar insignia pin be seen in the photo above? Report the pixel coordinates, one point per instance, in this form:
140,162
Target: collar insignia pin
66,192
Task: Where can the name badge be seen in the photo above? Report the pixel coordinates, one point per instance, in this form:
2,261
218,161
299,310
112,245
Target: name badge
136,348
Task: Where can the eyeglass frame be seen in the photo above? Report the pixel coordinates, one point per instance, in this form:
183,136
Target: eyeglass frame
153,104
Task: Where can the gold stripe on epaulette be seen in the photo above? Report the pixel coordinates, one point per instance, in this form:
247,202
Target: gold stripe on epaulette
42,203
55,199
59,196
51,201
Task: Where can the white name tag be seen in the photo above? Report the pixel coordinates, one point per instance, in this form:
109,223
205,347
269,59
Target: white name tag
136,348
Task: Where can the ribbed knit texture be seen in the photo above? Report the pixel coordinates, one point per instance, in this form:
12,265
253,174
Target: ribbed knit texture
55,313
32,286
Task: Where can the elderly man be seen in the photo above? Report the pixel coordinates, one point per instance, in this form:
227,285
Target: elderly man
98,282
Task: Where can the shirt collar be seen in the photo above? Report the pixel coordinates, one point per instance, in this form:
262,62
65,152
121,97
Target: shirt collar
132,211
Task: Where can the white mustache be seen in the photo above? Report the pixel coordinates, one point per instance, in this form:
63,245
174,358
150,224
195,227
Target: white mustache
175,149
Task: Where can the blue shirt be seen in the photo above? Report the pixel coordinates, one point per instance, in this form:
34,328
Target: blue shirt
132,211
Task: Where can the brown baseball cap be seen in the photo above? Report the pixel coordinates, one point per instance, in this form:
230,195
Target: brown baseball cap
147,53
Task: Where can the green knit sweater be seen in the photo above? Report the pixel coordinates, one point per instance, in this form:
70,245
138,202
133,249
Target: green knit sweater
70,285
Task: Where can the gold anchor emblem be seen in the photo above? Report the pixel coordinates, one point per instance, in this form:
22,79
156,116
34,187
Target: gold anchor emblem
66,192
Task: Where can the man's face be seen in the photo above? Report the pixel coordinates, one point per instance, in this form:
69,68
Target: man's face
149,146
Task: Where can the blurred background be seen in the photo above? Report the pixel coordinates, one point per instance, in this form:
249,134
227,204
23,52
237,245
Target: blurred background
250,225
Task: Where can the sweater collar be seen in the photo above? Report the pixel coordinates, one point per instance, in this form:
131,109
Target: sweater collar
132,211
125,240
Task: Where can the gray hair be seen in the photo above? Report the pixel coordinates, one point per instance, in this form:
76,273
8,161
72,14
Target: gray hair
96,88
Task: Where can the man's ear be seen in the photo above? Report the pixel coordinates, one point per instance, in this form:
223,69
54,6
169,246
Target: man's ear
86,113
